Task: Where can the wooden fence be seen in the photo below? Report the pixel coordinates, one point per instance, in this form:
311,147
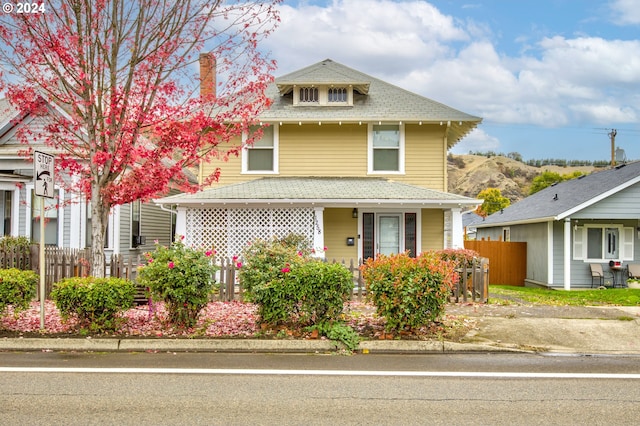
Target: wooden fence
508,260
64,263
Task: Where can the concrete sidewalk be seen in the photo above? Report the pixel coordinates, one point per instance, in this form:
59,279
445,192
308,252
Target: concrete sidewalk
614,331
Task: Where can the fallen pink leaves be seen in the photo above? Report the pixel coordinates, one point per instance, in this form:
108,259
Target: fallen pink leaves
217,319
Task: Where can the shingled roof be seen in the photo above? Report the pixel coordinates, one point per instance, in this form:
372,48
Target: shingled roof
563,199
374,100
334,191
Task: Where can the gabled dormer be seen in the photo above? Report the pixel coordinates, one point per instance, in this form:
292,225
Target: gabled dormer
314,86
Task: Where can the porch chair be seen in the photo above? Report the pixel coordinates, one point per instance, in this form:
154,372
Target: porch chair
597,274
634,270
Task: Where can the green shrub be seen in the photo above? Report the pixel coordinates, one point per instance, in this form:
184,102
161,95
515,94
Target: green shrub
17,288
409,292
182,277
290,286
264,261
95,302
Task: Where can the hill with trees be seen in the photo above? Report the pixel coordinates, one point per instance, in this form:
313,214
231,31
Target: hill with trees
470,174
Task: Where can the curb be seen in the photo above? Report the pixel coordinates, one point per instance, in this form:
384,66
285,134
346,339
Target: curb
239,346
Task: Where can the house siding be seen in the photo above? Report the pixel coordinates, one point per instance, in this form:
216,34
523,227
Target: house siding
425,157
342,151
338,225
621,205
326,150
432,229
536,237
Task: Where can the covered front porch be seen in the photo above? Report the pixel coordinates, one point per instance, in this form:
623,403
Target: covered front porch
348,218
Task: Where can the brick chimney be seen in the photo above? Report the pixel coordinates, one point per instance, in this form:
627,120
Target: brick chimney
207,75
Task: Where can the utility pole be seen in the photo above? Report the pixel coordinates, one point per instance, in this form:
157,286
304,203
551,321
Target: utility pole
612,135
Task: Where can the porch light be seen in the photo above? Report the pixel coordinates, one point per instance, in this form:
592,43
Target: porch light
354,213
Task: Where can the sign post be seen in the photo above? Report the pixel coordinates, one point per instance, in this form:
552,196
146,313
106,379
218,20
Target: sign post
43,187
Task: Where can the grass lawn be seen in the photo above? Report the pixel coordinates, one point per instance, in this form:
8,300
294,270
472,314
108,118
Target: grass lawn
617,297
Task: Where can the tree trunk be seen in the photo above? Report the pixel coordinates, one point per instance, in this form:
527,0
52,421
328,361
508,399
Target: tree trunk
99,218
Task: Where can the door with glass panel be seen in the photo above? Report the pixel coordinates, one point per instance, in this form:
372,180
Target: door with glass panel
389,234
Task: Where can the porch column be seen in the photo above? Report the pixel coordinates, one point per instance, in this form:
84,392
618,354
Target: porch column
318,232
567,254
457,231
116,211
181,224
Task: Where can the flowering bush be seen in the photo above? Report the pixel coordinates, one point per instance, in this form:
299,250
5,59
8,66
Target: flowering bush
180,276
17,288
290,286
409,292
94,302
460,257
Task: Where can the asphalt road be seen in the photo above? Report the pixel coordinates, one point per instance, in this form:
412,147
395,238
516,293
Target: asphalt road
166,388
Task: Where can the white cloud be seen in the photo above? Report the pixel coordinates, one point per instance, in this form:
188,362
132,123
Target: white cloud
626,12
475,141
554,81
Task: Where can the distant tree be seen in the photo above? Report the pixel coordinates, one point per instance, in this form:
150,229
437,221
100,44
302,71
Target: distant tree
493,202
515,156
548,178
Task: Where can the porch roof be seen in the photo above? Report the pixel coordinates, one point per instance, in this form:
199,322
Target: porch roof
322,191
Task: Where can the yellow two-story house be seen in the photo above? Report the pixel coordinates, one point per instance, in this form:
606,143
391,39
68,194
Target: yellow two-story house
355,164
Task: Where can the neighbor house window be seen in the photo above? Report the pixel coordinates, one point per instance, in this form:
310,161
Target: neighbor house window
136,224
603,242
8,206
262,156
386,148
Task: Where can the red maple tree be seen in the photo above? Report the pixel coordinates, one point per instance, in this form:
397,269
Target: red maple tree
118,85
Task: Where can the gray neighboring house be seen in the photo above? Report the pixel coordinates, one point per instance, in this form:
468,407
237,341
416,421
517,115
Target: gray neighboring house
594,219
68,221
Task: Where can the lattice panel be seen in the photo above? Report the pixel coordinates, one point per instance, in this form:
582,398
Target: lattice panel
229,230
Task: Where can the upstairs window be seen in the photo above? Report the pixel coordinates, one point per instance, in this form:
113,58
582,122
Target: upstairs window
386,143
309,94
322,95
338,94
262,156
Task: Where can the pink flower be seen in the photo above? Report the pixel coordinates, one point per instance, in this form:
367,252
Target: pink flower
171,265
285,270
239,265
299,253
234,259
208,253
325,249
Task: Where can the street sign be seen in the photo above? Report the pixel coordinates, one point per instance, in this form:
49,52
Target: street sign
43,174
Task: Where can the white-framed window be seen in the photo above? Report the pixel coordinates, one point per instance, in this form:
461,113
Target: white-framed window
603,242
506,234
338,95
323,95
262,156
308,95
386,149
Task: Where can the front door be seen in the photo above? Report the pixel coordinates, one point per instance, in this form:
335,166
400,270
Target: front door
389,234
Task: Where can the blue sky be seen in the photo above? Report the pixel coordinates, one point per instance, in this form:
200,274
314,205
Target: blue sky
550,78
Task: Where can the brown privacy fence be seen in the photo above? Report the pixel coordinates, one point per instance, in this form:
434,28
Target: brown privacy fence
508,260
61,263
